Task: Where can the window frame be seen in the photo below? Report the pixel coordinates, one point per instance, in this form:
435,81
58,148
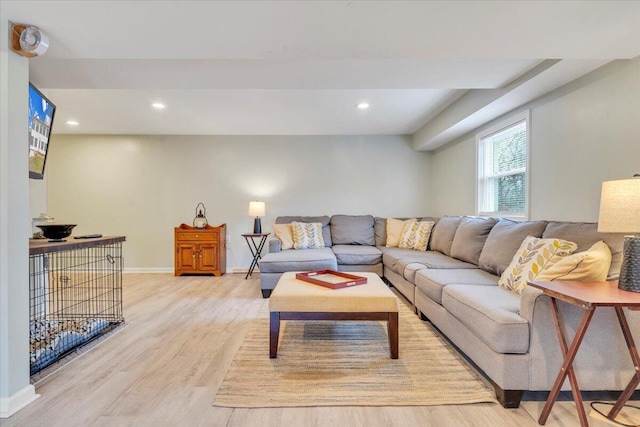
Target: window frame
525,117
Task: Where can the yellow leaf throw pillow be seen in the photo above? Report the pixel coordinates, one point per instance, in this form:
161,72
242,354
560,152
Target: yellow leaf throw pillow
415,235
307,235
534,257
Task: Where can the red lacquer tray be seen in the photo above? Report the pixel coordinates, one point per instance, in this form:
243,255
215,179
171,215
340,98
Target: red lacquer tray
331,279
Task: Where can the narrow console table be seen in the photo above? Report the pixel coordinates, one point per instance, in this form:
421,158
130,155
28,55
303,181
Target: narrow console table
200,250
588,296
255,248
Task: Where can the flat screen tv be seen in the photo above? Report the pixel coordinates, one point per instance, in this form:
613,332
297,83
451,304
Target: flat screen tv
41,112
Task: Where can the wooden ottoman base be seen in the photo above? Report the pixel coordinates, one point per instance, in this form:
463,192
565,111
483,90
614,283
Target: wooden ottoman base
276,316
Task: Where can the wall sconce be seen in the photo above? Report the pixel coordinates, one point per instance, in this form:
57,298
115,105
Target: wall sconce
29,41
620,213
257,209
200,221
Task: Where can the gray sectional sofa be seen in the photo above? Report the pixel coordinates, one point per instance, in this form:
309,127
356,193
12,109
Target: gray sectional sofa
510,337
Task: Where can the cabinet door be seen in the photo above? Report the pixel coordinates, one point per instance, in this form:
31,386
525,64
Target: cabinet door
207,257
187,256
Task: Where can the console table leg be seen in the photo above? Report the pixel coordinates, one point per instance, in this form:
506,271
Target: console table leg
633,351
567,365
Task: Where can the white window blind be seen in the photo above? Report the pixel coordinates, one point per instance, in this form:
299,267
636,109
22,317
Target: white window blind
502,169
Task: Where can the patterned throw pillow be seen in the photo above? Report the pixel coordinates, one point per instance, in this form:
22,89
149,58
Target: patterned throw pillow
590,265
307,235
284,232
394,230
415,235
534,257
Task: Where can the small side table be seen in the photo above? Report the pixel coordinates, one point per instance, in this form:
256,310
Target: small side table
255,248
588,296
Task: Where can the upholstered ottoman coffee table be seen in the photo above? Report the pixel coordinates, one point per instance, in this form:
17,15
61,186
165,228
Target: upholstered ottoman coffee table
294,299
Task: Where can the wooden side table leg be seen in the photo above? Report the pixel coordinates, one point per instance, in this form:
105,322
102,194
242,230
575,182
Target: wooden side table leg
567,365
393,334
633,351
274,333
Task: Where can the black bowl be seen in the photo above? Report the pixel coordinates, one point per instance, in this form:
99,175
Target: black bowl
56,231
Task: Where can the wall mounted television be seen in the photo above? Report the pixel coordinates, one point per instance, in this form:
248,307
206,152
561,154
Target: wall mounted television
41,113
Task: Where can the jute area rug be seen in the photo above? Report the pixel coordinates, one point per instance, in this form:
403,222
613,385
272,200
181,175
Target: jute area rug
327,363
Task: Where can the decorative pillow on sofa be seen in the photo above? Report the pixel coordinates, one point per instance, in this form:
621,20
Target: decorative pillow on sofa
307,235
534,257
394,230
590,265
415,235
284,232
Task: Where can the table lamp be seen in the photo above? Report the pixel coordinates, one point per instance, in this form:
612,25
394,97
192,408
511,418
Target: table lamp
256,209
620,213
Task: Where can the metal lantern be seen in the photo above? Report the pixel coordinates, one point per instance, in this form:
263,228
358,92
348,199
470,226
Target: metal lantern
200,221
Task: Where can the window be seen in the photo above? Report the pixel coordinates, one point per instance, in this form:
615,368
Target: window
502,169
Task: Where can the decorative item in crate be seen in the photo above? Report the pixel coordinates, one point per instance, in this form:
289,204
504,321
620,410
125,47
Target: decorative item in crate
331,279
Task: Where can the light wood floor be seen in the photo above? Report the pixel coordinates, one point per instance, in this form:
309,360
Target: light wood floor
164,367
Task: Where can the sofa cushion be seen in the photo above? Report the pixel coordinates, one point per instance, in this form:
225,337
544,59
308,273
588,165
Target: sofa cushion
470,237
443,233
503,242
352,230
298,260
324,220
395,228
491,313
431,282
585,234
532,258
397,259
410,270
380,230
307,235
284,232
357,254
415,235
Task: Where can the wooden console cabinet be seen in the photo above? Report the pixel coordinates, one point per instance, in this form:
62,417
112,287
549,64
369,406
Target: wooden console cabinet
200,250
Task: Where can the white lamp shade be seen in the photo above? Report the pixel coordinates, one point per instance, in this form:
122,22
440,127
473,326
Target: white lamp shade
620,206
257,209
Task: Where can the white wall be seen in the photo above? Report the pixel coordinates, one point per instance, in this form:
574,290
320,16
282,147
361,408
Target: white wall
144,186
15,389
581,135
38,196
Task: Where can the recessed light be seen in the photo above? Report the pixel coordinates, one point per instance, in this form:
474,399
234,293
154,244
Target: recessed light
72,123
158,105
362,106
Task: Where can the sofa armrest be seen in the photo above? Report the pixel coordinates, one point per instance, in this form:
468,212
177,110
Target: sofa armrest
528,300
275,245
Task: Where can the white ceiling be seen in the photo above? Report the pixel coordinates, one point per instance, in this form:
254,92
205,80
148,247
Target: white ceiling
299,67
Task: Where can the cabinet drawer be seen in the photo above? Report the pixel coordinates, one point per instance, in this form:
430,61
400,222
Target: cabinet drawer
198,236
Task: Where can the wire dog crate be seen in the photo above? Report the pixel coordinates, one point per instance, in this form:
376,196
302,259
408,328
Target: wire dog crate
75,295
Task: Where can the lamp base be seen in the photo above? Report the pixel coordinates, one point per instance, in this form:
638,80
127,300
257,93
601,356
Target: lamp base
257,228
630,269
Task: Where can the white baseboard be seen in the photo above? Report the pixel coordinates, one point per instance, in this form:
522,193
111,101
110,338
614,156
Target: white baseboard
235,270
147,270
12,404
